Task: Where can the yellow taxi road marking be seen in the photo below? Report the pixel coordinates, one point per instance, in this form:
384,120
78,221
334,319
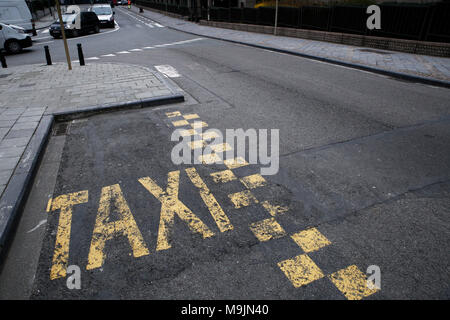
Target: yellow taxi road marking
253,181
188,132
173,114
300,270
197,144
215,209
199,124
180,123
209,135
310,240
222,147
235,163
242,199
267,229
65,204
171,205
209,158
191,116
274,210
223,176
352,283
105,230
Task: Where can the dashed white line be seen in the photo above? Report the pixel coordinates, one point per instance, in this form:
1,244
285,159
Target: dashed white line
168,71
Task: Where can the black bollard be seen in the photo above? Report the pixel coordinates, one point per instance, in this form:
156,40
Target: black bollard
3,60
47,56
141,10
80,54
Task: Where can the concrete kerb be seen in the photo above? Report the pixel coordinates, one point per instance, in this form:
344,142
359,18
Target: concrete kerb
15,195
393,74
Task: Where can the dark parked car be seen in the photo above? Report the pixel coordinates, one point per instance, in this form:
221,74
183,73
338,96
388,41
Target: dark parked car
76,24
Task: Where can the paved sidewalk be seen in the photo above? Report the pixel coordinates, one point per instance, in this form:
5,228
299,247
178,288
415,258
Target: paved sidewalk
417,65
31,94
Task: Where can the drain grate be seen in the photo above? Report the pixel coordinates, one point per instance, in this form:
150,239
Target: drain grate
373,51
61,129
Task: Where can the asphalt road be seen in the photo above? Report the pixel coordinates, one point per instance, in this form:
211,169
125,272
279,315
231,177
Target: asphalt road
364,180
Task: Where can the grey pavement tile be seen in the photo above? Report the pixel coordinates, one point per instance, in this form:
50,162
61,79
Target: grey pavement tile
9,117
25,125
26,118
9,152
6,123
2,187
5,175
9,163
3,132
14,142
21,133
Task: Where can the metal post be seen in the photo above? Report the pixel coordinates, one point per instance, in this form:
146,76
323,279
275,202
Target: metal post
3,60
80,54
47,56
61,23
276,19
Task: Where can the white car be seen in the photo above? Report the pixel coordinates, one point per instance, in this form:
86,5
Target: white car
13,39
104,13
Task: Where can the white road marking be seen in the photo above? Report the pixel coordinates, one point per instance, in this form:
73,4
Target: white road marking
38,225
93,58
42,38
37,44
136,50
168,71
123,52
147,47
108,55
46,30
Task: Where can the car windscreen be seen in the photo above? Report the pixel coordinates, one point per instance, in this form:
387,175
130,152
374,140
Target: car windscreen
67,18
102,10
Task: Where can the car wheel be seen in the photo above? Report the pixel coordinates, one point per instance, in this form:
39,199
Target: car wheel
13,46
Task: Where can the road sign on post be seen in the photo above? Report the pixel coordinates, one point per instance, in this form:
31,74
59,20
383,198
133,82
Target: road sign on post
61,23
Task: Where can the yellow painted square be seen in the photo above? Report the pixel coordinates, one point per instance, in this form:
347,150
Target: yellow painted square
274,210
310,240
188,132
208,135
210,158
300,270
235,163
220,147
242,199
196,144
267,229
180,123
352,283
173,114
253,181
191,116
198,124
223,176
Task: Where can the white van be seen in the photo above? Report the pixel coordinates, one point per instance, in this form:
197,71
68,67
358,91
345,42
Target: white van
13,39
16,12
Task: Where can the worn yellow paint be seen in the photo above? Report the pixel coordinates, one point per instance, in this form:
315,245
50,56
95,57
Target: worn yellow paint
199,124
209,135
214,208
352,283
310,240
222,147
49,205
173,114
253,181
223,176
209,158
180,123
242,199
191,116
65,204
274,210
188,132
267,229
104,230
171,205
235,163
196,144
300,270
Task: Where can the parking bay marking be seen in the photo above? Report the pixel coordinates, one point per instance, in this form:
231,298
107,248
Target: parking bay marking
104,230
